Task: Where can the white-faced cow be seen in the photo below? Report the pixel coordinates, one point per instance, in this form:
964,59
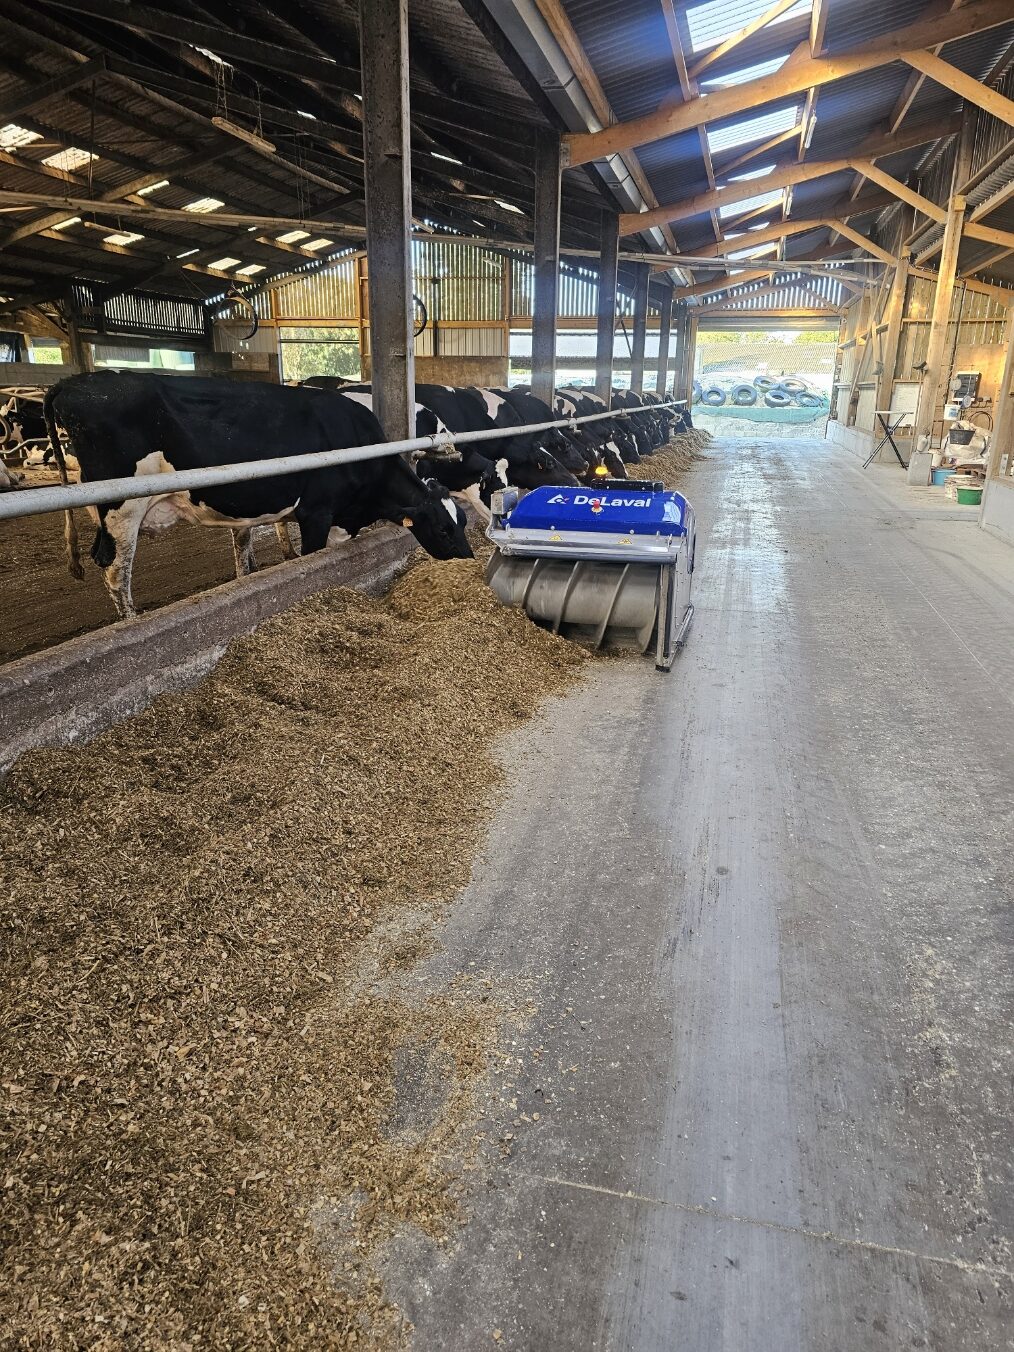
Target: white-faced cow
123,424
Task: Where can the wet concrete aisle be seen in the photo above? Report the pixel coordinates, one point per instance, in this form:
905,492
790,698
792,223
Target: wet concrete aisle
760,914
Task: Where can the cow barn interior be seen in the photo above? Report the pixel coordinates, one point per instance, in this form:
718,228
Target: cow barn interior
507,636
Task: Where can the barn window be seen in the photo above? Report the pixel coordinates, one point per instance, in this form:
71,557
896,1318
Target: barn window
12,136
70,159
312,350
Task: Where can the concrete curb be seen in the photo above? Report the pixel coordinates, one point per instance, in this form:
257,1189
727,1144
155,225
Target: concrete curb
74,691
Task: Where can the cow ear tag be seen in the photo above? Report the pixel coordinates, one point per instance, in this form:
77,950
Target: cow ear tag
406,521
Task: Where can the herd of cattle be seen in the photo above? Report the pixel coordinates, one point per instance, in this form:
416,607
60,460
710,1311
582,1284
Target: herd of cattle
124,424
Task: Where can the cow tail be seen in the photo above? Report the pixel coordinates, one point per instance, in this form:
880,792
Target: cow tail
69,524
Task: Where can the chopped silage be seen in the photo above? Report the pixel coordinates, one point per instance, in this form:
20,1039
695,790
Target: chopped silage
199,1144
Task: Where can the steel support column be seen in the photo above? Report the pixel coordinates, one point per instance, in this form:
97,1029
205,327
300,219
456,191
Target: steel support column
664,330
608,259
383,39
546,280
642,274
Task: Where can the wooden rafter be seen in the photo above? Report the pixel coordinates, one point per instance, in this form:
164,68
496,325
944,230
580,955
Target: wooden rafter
968,88
675,26
794,77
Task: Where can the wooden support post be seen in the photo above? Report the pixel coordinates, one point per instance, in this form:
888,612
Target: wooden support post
383,38
546,279
934,376
642,274
664,330
892,337
80,356
608,259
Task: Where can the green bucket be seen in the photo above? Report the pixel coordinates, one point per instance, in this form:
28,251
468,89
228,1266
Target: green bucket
970,497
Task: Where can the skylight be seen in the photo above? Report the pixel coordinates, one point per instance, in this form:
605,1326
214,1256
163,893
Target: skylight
736,77
70,159
293,236
122,237
250,270
751,203
757,251
752,129
153,187
223,263
314,244
12,136
715,20
71,220
751,173
202,205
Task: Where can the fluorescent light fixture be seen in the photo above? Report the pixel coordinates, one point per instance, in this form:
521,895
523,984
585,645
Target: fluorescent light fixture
222,263
203,205
212,56
715,20
153,187
508,206
250,270
314,244
449,159
736,77
187,253
70,159
311,116
293,236
12,137
71,220
752,129
122,237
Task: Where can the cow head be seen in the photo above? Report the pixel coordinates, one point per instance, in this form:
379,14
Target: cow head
535,467
562,449
438,523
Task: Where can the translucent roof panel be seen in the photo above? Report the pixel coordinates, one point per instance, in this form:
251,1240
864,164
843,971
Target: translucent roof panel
715,20
752,129
751,203
736,77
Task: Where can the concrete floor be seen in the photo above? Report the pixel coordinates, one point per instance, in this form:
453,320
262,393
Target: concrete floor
759,910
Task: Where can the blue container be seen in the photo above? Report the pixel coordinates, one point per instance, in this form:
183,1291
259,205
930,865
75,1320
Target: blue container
940,476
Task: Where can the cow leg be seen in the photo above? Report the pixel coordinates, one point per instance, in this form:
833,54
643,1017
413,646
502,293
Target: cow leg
120,528
242,548
314,528
471,496
285,541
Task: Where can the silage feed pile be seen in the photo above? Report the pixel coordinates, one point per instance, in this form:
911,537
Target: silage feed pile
201,1021
669,463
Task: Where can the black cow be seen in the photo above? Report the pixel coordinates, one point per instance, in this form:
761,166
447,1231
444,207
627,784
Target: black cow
640,421
123,424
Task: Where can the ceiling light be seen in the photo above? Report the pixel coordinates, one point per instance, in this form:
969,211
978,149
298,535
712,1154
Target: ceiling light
187,253
202,205
449,159
508,206
68,160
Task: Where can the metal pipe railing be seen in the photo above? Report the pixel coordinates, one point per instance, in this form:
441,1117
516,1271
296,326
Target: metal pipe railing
59,497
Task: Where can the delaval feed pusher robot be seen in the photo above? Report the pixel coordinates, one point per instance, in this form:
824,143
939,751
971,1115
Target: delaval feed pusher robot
606,566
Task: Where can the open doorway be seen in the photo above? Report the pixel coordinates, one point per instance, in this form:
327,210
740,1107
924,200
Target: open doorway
764,381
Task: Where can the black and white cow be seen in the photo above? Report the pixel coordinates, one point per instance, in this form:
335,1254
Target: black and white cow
531,410
123,424
616,442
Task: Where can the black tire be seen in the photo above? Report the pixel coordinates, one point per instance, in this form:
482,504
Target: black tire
793,385
764,383
697,392
805,399
713,396
778,398
743,395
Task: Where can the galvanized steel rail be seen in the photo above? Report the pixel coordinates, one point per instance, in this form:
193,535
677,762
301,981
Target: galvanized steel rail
59,497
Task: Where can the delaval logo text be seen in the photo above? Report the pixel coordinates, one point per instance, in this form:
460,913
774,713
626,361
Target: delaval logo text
596,504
